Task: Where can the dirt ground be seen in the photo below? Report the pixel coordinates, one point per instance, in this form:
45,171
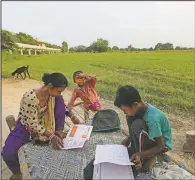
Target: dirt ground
12,91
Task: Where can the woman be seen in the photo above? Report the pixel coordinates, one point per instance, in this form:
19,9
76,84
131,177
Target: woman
42,112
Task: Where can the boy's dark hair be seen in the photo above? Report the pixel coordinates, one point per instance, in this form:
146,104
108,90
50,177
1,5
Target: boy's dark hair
56,79
127,96
75,73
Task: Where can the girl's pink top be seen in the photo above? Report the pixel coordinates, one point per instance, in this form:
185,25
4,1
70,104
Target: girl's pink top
86,93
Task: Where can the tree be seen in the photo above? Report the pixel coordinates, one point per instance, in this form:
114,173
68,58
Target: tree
89,49
191,48
144,49
159,46
21,38
130,48
178,48
109,49
150,49
100,45
7,40
26,39
64,46
166,46
81,48
115,48
52,45
72,49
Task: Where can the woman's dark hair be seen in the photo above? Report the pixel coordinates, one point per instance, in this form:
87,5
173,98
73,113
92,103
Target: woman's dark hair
56,79
75,73
127,96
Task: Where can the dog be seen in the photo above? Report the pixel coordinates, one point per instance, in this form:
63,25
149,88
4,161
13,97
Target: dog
19,71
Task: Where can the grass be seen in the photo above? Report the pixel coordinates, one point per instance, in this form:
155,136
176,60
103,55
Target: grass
164,79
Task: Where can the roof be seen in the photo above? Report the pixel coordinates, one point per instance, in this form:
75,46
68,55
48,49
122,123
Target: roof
28,46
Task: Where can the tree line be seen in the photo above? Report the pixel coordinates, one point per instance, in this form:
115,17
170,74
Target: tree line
9,41
102,45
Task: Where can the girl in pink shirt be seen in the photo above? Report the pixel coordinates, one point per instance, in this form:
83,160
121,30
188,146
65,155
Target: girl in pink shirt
85,91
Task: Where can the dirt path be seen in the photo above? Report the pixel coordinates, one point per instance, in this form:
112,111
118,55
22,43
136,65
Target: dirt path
12,91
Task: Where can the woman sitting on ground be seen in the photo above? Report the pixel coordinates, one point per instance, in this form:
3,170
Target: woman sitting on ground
42,113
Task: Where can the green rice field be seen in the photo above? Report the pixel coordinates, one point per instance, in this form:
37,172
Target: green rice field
164,78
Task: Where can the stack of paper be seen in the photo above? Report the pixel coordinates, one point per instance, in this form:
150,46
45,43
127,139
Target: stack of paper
77,136
112,162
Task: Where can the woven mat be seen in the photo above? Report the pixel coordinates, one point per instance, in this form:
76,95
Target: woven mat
45,163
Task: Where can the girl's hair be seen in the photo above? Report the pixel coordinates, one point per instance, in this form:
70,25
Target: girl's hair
75,73
56,79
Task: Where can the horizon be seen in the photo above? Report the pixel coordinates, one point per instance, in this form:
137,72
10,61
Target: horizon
153,22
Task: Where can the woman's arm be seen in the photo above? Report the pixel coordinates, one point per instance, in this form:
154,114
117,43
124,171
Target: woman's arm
73,118
60,112
29,114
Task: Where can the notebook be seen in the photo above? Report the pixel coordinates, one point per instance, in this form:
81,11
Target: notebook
77,136
112,162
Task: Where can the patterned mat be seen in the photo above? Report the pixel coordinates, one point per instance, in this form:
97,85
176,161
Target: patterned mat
45,163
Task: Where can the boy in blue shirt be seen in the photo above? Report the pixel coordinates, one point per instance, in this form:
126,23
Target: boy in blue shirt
149,128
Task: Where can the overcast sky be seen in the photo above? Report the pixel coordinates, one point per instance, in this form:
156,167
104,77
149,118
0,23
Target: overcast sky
141,24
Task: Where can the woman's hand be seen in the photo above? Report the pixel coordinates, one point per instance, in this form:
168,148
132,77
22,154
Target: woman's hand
75,120
136,159
34,134
60,134
57,143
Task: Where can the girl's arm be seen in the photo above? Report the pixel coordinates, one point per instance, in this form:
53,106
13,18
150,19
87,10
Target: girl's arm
90,80
72,100
79,103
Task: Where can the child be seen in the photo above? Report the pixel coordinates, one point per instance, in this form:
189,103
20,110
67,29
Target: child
85,91
149,128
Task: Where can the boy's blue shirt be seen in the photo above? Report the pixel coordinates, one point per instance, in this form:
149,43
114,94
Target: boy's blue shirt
158,125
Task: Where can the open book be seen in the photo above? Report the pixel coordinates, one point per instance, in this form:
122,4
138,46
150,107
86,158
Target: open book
112,162
77,136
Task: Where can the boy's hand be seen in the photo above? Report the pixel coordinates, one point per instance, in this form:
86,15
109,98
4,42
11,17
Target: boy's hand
126,142
136,159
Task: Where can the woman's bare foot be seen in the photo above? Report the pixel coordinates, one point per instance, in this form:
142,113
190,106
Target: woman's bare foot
17,176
